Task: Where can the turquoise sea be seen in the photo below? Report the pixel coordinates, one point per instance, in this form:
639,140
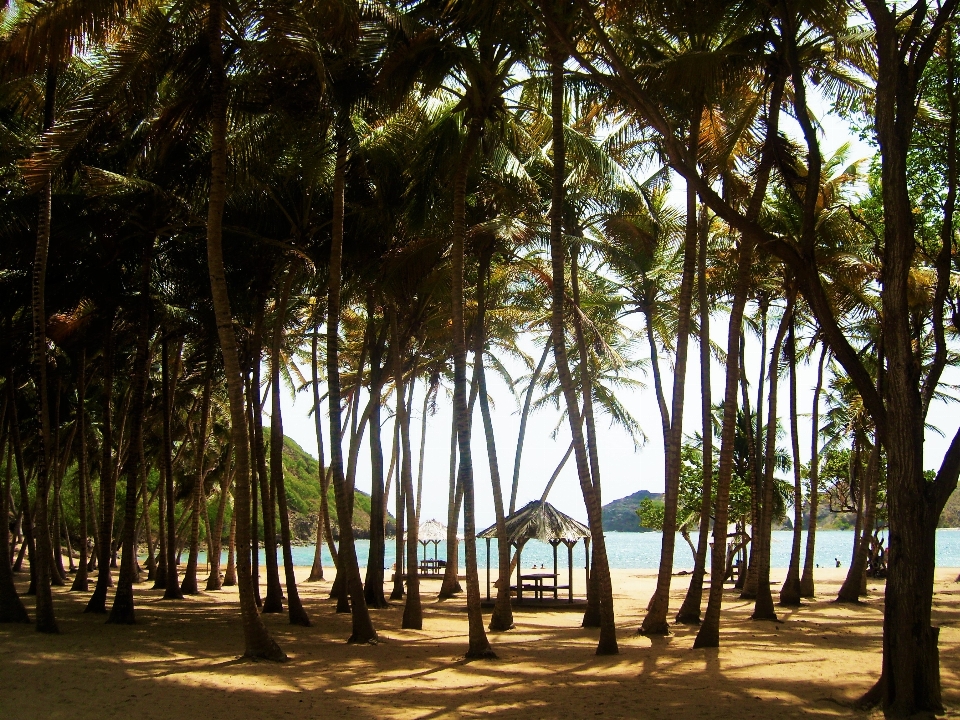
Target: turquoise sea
641,551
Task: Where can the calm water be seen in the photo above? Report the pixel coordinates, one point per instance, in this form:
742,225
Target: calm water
642,551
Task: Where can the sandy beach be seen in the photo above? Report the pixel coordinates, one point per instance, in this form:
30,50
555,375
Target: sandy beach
181,660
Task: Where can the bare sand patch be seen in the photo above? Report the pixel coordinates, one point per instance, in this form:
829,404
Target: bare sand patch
181,660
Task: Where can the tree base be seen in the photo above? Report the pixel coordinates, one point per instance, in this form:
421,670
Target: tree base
486,653
272,654
361,640
654,628
80,585
121,617
684,618
173,593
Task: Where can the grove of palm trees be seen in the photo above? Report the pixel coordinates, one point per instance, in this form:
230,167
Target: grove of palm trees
516,216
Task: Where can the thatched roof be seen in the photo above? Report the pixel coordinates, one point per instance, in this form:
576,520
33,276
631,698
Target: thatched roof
540,521
432,531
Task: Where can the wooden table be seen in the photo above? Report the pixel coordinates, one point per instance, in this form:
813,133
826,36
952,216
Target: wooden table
538,584
432,567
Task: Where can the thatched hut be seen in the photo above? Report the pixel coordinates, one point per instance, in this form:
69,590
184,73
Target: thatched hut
539,520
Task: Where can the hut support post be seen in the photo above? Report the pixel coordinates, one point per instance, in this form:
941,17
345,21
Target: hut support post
570,569
488,568
555,575
519,575
586,559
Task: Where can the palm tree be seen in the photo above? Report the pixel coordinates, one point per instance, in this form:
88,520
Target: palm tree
257,639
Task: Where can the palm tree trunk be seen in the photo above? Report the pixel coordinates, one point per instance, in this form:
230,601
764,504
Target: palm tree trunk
709,633
851,589
755,443
108,482
479,646
363,630
502,617
400,509
373,583
251,434
450,585
690,609
122,612
790,592
807,588
273,602
258,642
655,622
189,584
230,574
412,609
763,609
12,609
160,578
525,413
298,615
80,581
586,467
316,572
171,590
46,621
215,542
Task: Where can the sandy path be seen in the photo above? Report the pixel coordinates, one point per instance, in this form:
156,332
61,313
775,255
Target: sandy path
180,661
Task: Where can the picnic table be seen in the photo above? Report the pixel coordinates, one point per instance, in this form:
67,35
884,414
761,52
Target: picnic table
432,567
538,585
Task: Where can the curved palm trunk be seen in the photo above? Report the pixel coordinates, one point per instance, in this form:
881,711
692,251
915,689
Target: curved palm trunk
122,612
655,622
215,540
363,630
400,500
479,646
807,588
230,574
171,589
252,403
592,615
412,609
755,443
790,592
257,640
450,585
80,580
273,602
373,583
709,633
586,466
521,435
852,588
160,577
189,585
12,609
108,482
316,572
690,610
298,615
763,609
502,617
46,621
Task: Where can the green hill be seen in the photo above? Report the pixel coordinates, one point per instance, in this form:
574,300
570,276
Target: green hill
301,475
621,515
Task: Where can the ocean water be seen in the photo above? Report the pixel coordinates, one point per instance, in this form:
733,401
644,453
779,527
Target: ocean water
641,551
